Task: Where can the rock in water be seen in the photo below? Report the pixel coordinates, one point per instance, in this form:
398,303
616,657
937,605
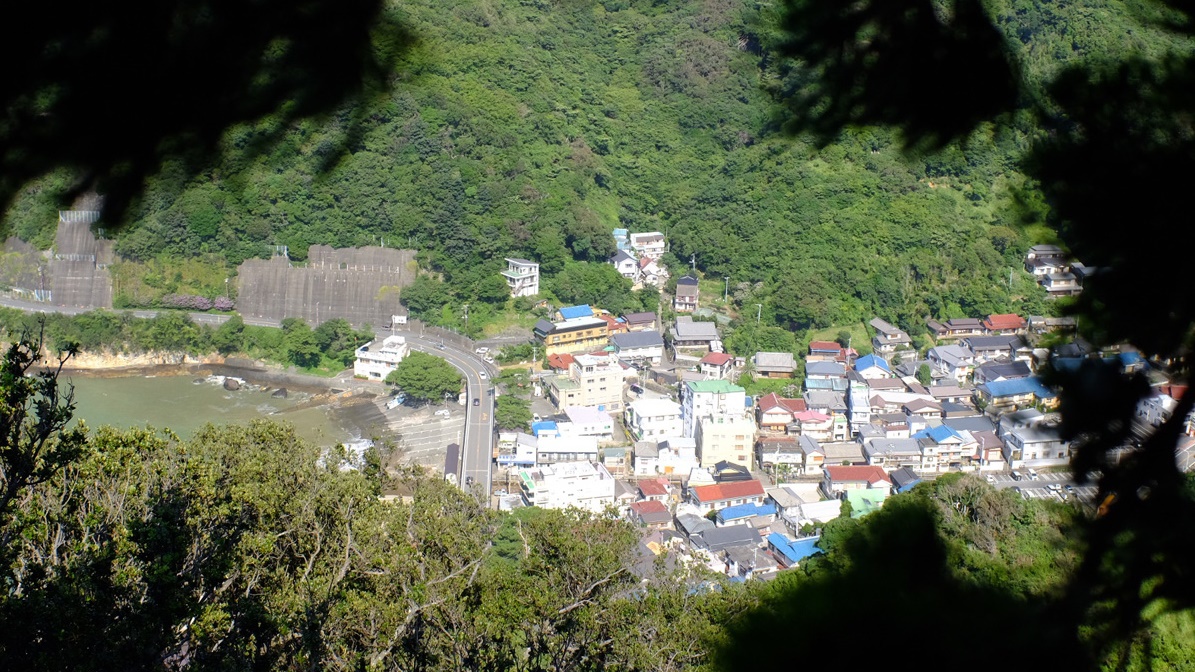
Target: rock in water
231,384
279,393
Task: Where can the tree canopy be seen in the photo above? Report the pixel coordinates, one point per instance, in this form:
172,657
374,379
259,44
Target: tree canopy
425,377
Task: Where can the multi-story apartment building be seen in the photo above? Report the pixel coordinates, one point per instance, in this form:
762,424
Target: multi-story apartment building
710,399
650,244
585,485
578,334
522,277
591,380
653,419
725,438
376,360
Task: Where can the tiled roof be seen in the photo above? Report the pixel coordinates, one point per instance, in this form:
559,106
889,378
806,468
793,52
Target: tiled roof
717,359
870,473
775,360
560,361
1004,321
650,506
731,490
824,346
652,488
772,400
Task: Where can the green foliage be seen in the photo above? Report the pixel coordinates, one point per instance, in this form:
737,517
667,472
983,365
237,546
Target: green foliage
425,377
655,119
512,412
924,375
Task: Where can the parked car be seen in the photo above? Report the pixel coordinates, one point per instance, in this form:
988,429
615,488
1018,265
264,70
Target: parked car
1016,476
443,412
1033,475
535,417
481,351
991,479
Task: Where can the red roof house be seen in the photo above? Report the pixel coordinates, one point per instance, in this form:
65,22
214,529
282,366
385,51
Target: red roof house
1006,323
839,479
722,495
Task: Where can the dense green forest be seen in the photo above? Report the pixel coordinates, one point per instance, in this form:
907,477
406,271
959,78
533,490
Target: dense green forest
534,128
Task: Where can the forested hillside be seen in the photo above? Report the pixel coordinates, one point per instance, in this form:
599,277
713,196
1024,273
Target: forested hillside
534,128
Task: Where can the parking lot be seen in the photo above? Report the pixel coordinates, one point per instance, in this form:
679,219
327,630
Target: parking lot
422,435
1048,485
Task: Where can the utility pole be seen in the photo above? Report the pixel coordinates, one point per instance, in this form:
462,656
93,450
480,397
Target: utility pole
726,291
466,318
758,311
693,261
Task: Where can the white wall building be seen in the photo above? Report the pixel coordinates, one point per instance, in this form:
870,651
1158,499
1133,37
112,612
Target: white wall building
649,244
585,485
653,419
711,399
587,421
522,276
376,360
561,449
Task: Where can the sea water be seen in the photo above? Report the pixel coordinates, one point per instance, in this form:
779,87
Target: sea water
184,404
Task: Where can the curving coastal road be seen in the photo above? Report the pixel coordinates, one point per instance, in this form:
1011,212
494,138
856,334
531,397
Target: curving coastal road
477,447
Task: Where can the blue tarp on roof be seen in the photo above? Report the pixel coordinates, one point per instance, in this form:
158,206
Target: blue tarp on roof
1018,386
545,426
794,550
938,434
867,361
1130,358
571,312
742,511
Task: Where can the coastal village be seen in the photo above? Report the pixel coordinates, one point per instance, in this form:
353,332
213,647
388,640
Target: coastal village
646,418
644,414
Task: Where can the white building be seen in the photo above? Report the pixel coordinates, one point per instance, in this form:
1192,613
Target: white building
587,421
649,244
711,399
654,419
557,449
585,485
376,360
522,277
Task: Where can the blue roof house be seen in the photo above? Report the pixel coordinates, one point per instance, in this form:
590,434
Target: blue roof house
871,366
789,552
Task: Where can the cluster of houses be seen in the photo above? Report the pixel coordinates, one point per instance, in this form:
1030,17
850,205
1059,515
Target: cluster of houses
1055,271
638,258
859,428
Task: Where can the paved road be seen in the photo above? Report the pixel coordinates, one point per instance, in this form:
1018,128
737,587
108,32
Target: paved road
477,448
198,318
478,444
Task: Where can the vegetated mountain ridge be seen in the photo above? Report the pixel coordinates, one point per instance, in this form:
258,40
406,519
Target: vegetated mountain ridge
535,128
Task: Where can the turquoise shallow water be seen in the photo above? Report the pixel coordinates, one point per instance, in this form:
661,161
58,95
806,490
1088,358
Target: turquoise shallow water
184,406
